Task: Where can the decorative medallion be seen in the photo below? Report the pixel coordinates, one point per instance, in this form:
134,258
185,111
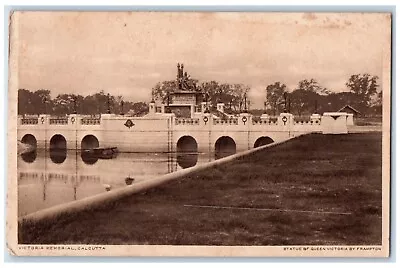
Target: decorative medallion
244,119
129,123
73,120
205,119
284,119
42,119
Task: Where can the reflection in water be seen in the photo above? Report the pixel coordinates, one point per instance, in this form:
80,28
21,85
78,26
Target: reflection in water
63,176
89,158
186,160
186,152
57,155
29,157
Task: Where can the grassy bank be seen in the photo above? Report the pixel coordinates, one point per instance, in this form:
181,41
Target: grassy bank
317,189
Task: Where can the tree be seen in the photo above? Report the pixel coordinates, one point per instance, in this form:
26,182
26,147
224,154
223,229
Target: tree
162,90
67,104
313,86
364,87
305,97
24,102
138,109
275,96
37,102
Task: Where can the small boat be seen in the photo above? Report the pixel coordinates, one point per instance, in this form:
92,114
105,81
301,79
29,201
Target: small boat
129,180
102,153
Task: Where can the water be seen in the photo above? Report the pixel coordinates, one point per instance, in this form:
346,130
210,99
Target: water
47,179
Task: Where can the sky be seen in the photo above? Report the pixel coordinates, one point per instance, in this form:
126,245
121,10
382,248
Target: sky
127,53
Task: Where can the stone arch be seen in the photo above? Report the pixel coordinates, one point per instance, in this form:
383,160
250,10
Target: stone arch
224,146
58,142
58,149
30,140
187,154
186,144
89,142
264,140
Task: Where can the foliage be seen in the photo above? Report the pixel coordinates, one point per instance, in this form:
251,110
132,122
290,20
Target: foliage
275,97
364,87
308,97
233,95
40,102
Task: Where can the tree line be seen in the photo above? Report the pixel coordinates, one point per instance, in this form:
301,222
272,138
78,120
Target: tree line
40,102
307,98
310,97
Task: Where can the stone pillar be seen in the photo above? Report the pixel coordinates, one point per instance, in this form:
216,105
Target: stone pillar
315,117
162,108
74,125
220,107
44,119
285,120
43,125
244,118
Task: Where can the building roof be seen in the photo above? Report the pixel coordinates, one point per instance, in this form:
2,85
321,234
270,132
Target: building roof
350,107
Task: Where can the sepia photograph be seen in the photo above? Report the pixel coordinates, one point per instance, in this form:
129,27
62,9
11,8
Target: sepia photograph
199,133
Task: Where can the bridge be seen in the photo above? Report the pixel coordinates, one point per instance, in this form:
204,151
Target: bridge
181,123
203,132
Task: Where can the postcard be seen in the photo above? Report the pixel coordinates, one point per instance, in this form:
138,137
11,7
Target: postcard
199,134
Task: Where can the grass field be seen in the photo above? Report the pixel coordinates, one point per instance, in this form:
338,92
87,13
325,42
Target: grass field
314,190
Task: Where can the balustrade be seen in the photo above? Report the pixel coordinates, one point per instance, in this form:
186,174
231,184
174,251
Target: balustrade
308,122
90,121
271,121
58,121
231,121
187,121
29,121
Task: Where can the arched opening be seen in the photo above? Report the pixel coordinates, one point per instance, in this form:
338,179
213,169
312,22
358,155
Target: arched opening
29,140
224,146
186,144
58,149
264,140
58,142
29,157
89,142
29,144
187,155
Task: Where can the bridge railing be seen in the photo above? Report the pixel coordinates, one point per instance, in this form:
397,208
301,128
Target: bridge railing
58,121
270,121
90,121
307,122
230,121
29,121
187,121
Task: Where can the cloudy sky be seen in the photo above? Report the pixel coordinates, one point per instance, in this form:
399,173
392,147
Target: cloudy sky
127,53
